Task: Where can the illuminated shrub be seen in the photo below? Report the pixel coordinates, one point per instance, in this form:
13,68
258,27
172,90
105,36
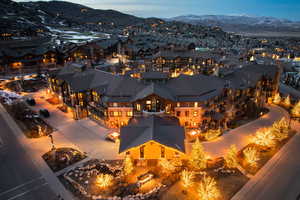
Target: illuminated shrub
167,165
207,189
277,99
264,137
251,156
128,165
231,159
104,180
187,178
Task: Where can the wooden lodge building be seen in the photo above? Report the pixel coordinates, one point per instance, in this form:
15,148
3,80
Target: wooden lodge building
26,55
156,109
41,53
198,62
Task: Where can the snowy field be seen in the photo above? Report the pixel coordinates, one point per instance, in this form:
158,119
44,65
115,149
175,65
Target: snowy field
76,36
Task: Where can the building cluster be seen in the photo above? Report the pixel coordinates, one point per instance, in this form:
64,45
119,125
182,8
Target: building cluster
25,55
157,109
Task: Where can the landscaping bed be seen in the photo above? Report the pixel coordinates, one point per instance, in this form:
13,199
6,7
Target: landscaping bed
32,125
228,181
61,158
264,154
84,182
165,184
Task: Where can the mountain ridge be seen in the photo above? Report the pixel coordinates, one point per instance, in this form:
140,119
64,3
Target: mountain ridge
236,23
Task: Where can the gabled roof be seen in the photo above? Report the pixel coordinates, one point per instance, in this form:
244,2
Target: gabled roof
184,88
197,85
248,76
155,75
155,89
164,130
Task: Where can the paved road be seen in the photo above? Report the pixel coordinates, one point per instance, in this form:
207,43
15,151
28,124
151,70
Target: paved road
279,179
19,177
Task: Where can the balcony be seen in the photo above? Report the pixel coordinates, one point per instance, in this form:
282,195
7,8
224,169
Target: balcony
153,112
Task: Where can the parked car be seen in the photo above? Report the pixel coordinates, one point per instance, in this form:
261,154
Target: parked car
31,101
112,136
44,112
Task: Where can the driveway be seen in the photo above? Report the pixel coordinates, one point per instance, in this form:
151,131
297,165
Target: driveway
240,136
90,138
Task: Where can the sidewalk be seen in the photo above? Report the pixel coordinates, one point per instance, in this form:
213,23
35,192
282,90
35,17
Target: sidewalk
31,147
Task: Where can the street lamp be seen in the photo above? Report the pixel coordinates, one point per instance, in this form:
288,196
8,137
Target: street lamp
52,142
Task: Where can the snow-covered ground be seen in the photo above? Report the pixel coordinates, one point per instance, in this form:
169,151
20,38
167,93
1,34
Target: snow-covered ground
76,36
8,96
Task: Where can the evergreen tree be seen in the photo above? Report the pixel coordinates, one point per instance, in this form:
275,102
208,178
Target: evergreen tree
128,165
198,157
277,99
231,157
296,109
287,101
207,189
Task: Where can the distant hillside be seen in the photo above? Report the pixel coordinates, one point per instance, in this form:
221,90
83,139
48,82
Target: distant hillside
82,14
241,23
14,16
32,16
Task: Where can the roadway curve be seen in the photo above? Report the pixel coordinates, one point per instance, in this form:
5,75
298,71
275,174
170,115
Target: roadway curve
240,136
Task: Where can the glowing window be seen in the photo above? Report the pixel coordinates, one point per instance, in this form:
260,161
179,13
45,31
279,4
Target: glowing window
116,113
195,113
142,152
162,152
138,107
129,114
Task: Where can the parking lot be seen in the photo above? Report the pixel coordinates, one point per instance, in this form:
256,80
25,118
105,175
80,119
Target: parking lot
85,134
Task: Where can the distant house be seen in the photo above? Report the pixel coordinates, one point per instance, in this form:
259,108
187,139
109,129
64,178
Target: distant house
172,60
27,55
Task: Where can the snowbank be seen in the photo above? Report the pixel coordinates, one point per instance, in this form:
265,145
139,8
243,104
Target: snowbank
9,97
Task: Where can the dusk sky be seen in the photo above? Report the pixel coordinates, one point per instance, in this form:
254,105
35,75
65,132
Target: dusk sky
289,9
